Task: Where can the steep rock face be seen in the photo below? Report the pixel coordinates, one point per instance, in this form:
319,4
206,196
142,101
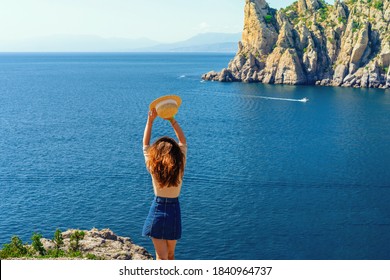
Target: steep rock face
258,36
310,6
312,42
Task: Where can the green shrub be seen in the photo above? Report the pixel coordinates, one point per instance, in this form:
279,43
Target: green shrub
355,26
74,240
15,249
343,20
58,241
92,257
74,254
53,253
378,5
292,12
268,18
323,13
37,244
292,8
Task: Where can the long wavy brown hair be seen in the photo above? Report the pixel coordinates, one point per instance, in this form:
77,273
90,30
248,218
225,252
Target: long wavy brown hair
166,162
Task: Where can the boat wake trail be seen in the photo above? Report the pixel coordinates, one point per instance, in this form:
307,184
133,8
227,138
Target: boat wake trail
282,99
302,100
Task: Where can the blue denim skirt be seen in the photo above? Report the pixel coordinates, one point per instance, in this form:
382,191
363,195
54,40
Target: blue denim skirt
164,219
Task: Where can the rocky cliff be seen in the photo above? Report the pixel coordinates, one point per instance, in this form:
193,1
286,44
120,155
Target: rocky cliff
312,42
104,244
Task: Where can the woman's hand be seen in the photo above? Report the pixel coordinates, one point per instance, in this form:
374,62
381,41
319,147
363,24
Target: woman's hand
152,115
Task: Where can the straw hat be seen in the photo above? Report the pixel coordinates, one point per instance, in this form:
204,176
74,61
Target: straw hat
166,106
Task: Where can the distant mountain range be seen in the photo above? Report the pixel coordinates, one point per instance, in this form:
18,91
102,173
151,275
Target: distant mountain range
204,42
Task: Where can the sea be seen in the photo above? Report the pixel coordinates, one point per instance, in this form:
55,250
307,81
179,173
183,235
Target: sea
274,172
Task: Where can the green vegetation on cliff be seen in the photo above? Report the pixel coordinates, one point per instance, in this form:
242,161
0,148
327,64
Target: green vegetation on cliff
76,244
16,249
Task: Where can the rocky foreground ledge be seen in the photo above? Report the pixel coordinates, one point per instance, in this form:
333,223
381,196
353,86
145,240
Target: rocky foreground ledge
104,244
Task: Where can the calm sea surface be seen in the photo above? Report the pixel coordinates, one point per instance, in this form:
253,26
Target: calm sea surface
265,178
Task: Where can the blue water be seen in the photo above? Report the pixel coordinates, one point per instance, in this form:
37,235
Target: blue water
265,178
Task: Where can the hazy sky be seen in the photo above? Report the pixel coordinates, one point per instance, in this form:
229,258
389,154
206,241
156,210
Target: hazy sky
160,20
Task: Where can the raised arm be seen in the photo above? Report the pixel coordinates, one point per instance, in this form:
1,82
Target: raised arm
179,132
148,128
